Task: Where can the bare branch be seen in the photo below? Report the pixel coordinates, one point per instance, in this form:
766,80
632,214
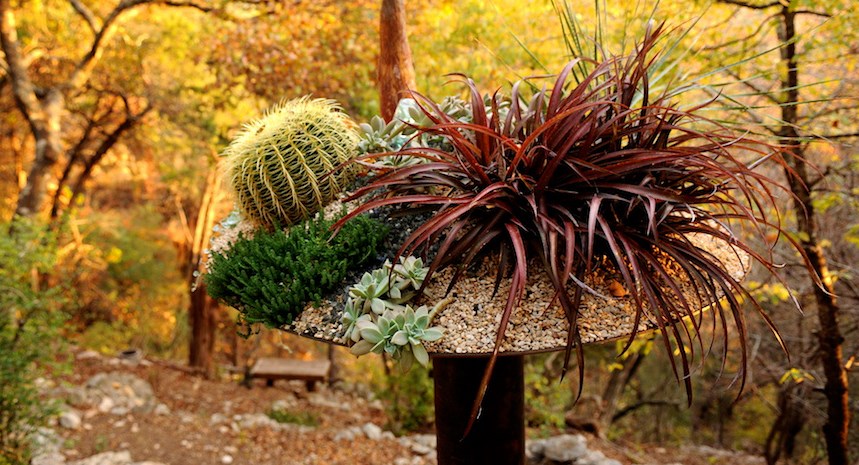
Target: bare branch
757,90
745,38
104,147
749,5
84,67
86,14
643,403
842,136
198,6
822,14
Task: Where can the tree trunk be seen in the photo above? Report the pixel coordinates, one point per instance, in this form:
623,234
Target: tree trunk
396,73
202,308
618,380
829,335
42,115
32,196
203,326
789,423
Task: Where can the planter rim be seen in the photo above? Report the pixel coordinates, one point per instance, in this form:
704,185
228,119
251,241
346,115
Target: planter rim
470,323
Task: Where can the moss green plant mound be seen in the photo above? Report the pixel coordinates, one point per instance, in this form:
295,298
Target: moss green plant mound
289,164
271,277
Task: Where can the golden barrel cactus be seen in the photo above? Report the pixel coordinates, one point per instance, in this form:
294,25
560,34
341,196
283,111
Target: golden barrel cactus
292,162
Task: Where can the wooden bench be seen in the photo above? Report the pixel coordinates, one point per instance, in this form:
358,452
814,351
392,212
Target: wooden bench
272,369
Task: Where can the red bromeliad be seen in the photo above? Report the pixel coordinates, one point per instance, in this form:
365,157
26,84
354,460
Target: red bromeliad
602,173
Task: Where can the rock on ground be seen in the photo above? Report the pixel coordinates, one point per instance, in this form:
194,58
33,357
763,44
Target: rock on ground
127,392
566,449
111,458
70,419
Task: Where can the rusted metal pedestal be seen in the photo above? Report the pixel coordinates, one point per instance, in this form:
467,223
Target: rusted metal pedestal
498,436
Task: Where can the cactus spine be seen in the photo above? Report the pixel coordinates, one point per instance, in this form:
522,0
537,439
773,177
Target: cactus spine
284,166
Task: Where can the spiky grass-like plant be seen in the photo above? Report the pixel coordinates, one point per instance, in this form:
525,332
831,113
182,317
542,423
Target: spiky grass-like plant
593,173
283,167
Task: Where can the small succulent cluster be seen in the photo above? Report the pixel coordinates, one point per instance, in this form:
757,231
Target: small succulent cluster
378,318
404,131
288,165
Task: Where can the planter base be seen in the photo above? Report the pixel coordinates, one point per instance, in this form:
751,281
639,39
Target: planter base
498,435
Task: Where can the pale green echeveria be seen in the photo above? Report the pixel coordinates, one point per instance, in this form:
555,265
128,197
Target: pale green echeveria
352,315
410,270
415,330
371,290
377,318
379,137
399,334
377,336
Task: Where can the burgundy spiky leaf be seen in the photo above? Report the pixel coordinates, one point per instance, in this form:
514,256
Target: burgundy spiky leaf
588,174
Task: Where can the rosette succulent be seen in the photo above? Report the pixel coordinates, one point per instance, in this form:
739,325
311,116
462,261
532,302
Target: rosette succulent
399,334
377,317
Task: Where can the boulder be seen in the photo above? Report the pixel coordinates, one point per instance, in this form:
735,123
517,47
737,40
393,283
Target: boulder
127,391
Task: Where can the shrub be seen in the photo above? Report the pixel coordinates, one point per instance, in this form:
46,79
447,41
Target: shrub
270,277
298,418
30,320
408,398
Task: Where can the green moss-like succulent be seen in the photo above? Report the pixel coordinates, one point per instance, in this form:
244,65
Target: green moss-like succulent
270,277
289,164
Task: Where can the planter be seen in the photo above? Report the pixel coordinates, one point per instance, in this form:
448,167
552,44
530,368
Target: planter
613,208
470,324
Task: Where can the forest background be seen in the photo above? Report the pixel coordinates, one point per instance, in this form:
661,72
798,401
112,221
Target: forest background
112,116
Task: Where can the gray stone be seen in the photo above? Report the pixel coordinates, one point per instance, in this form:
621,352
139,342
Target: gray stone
162,409
534,448
106,405
565,448
282,404
48,458
428,440
106,458
46,448
119,411
226,459
256,420
87,354
125,390
70,419
76,396
595,457
420,449
348,434
260,420
319,400
372,431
